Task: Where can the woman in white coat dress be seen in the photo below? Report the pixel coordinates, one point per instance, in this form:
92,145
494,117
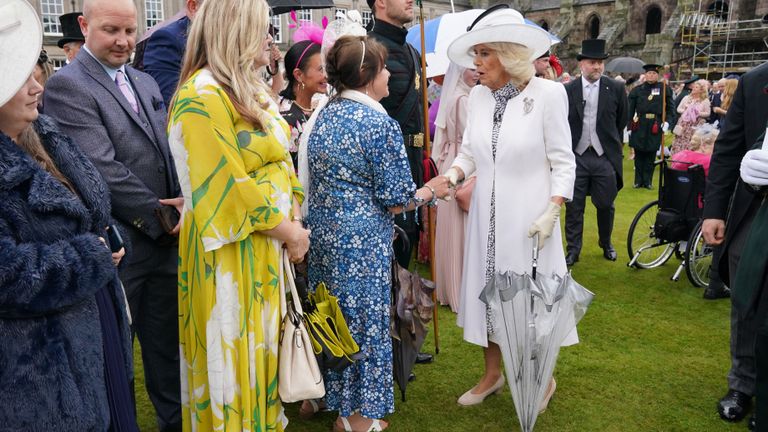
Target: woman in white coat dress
518,144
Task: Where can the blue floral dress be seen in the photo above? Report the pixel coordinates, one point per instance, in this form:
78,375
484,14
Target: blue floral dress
358,169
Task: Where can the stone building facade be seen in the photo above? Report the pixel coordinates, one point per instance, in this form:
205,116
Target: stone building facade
658,31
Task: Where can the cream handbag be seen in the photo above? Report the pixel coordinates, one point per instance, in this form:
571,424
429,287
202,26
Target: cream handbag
299,376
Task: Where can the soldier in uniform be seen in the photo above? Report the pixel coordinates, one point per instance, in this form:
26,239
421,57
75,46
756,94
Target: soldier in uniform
645,116
404,101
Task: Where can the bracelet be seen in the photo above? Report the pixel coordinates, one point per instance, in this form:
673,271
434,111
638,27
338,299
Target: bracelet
432,201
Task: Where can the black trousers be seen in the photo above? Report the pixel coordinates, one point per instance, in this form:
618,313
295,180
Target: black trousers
410,221
595,177
743,374
151,285
644,167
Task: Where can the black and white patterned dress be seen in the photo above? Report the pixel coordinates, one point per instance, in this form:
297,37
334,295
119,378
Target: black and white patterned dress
502,96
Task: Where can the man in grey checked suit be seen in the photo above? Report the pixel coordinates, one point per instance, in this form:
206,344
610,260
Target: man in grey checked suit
117,116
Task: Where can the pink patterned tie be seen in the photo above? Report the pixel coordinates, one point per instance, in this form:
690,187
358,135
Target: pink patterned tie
123,85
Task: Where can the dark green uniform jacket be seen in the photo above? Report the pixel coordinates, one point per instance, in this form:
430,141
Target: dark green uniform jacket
645,101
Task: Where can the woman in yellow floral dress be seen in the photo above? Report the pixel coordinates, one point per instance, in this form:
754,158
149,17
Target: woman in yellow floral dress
241,199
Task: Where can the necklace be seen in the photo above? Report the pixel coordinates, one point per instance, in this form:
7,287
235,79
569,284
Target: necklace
302,108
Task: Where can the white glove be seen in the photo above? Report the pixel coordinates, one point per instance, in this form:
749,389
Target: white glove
453,175
665,127
545,223
754,167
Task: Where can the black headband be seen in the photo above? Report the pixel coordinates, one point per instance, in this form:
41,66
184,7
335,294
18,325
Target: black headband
486,13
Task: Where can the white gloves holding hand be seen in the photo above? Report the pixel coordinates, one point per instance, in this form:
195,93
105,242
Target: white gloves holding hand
754,167
453,175
545,223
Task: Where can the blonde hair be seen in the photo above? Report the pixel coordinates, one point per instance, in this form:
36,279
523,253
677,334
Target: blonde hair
704,136
516,60
227,36
729,88
704,92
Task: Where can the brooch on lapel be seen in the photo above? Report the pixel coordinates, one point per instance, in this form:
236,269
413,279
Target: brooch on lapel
527,105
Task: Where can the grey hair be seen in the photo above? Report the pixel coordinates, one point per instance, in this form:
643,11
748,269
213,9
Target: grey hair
516,60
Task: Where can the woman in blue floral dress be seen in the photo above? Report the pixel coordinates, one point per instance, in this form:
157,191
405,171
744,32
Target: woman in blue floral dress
359,177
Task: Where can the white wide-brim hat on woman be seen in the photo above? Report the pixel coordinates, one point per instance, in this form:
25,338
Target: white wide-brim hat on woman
21,38
498,24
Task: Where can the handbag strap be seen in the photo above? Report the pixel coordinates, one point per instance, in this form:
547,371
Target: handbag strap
290,275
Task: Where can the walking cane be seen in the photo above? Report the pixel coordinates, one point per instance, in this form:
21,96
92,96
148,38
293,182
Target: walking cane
427,149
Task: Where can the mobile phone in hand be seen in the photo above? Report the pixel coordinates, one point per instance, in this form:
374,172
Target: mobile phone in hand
115,239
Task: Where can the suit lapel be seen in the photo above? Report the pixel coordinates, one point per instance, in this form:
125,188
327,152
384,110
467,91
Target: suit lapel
602,96
97,72
579,96
144,97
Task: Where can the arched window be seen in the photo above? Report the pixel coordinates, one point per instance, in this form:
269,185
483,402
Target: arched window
593,27
653,20
543,24
719,9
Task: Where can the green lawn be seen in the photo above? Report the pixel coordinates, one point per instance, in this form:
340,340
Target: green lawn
653,357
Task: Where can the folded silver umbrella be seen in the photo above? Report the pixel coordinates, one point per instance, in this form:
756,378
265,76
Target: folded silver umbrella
533,317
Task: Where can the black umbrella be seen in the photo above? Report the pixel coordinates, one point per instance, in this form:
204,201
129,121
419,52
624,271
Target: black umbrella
284,6
411,309
628,65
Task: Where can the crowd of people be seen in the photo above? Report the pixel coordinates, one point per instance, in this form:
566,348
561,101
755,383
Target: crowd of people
161,194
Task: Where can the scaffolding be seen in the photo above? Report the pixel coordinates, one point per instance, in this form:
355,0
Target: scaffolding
718,44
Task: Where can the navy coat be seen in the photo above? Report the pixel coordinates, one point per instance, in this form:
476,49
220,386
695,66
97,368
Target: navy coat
163,55
51,265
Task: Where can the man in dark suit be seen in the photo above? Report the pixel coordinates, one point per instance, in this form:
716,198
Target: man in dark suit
744,123
164,51
72,38
116,114
597,114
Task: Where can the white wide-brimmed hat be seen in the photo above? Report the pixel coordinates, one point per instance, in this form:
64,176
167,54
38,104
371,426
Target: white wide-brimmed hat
21,38
499,24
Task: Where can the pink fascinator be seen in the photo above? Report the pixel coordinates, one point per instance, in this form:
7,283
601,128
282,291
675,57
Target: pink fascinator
307,30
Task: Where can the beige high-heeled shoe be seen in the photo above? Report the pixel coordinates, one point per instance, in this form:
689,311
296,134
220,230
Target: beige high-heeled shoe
469,398
548,395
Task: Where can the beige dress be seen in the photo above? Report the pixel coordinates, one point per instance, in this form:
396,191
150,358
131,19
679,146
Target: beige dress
449,229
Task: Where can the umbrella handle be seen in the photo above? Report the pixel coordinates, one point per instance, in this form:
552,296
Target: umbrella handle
535,256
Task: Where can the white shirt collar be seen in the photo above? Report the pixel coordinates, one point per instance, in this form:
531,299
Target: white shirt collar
112,72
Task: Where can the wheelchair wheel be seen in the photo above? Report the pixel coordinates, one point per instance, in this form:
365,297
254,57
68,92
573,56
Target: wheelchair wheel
698,256
645,250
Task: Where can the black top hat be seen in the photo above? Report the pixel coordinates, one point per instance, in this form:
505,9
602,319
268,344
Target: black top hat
691,80
592,49
70,28
650,67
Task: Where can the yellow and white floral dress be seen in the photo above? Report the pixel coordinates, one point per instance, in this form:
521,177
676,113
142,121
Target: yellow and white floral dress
237,181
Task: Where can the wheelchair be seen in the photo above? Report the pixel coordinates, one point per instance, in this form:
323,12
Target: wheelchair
671,225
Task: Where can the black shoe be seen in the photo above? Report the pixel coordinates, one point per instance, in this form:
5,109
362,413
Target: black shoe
712,293
649,187
571,258
751,424
734,406
424,358
412,377
609,252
